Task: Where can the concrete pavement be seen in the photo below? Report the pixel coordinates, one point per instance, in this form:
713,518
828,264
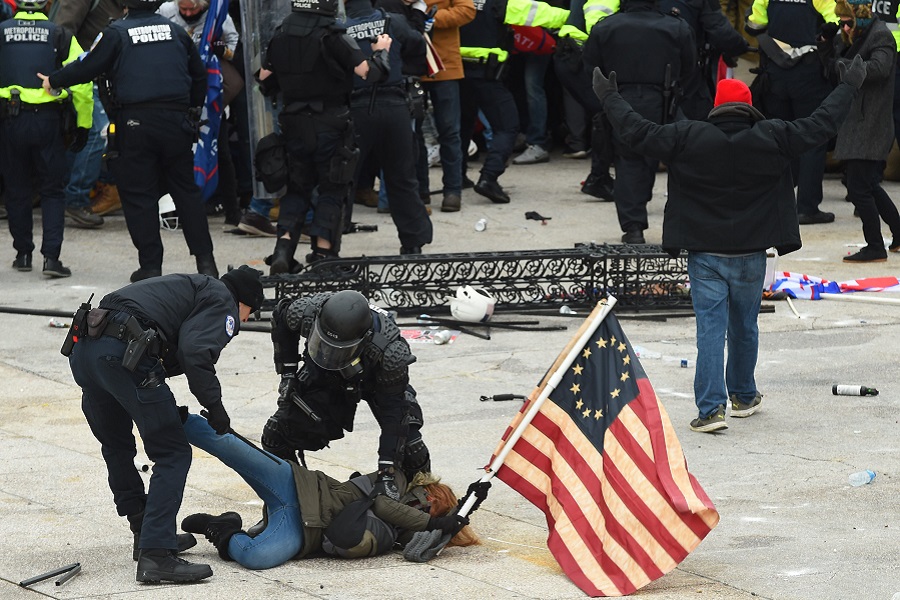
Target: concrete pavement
791,526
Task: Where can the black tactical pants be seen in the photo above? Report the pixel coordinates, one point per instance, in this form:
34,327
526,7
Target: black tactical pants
155,158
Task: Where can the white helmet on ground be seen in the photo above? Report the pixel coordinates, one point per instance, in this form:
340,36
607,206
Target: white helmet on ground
168,218
472,305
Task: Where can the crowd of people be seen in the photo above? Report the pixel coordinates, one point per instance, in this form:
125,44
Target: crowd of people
442,79
344,78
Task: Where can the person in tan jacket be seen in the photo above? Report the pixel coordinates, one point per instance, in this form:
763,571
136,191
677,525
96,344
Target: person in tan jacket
443,91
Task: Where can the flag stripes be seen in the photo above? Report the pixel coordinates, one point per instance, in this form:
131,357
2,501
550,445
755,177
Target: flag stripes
601,460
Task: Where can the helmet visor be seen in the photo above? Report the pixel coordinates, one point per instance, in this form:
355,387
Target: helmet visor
331,354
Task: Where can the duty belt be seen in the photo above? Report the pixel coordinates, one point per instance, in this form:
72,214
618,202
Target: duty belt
129,330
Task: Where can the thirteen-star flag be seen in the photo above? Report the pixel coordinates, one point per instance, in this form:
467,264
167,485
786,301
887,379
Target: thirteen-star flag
601,460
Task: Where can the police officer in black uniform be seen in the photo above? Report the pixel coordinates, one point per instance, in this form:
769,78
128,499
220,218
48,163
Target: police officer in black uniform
123,352
651,52
381,111
31,130
157,85
713,35
311,61
353,352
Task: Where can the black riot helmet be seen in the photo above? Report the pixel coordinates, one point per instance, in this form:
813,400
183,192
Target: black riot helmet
325,8
342,327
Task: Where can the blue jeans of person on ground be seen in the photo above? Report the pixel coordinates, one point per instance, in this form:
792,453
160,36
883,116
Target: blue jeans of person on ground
84,167
444,96
272,480
726,292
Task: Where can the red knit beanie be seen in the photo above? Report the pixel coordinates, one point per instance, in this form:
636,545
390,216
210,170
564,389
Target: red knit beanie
733,90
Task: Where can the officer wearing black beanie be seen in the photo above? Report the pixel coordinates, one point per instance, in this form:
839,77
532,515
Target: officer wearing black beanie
139,336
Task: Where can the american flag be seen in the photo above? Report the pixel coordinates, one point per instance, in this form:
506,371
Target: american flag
601,460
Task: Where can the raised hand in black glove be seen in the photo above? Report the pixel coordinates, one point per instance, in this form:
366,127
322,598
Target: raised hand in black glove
604,85
79,140
855,74
386,485
451,524
217,417
828,30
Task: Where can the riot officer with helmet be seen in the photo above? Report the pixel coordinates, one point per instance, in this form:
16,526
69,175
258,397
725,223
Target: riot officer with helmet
381,111
32,128
156,85
353,352
311,62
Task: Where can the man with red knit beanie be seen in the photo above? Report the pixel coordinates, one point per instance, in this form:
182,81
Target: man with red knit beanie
731,196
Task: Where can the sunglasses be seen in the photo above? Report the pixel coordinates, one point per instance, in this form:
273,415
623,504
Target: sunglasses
846,23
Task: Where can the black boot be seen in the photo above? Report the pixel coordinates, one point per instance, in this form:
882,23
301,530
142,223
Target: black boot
159,564
490,189
282,257
218,530
184,541
206,265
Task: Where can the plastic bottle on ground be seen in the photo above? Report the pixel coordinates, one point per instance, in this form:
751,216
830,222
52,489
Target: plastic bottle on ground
862,477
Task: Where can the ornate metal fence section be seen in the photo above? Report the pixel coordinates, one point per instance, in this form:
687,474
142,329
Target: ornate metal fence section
642,277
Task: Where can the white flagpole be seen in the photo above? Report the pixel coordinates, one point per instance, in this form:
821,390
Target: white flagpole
857,298
551,384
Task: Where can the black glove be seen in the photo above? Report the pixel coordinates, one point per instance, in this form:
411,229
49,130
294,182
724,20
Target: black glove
604,85
855,74
217,417
287,386
386,485
480,490
192,121
451,524
828,31
79,139
219,48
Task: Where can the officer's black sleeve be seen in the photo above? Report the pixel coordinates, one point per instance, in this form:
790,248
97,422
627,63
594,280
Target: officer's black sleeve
592,54
201,338
96,62
719,31
344,50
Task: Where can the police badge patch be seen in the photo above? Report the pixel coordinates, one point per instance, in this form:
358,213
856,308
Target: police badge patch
229,326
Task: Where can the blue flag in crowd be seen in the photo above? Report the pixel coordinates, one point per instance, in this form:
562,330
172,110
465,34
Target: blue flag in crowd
206,155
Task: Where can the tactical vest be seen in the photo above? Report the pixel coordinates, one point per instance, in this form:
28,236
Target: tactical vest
366,28
795,22
26,48
153,64
305,73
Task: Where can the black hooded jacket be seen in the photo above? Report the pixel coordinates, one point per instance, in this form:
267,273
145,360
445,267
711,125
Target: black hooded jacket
730,186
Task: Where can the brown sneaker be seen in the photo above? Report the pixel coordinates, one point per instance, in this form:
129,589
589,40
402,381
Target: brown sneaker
107,200
366,197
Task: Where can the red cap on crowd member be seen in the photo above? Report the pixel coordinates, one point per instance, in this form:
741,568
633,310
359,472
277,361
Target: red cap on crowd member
733,90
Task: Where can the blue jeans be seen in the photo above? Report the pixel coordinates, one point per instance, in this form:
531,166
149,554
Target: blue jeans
84,166
273,481
536,98
726,292
445,101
